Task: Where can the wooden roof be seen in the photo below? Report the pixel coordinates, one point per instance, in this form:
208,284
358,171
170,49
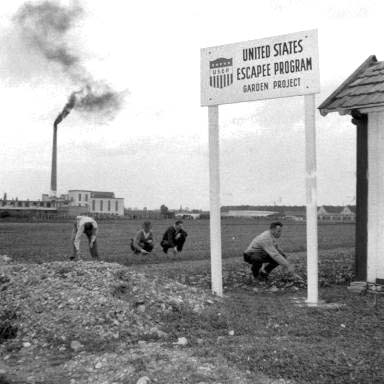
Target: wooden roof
364,88
331,208
352,208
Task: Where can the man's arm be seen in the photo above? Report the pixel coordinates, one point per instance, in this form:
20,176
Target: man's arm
281,251
272,251
183,233
94,235
76,242
170,237
136,242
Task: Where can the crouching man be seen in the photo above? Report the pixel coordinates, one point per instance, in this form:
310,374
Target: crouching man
88,226
143,241
264,253
174,238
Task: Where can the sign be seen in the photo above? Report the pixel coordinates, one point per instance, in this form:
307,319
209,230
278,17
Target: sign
273,67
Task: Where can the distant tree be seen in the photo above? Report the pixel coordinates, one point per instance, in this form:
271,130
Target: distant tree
164,212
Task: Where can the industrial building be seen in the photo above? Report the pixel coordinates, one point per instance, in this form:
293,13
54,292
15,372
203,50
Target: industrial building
96,202
75,202
248,213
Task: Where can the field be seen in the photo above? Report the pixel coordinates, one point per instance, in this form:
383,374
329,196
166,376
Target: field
256,334
41,242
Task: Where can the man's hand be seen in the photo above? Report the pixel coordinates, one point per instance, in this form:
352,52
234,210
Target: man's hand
144,252
91,243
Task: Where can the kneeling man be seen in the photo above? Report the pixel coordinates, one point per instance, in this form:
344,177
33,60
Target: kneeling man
265,254
143,241
174,238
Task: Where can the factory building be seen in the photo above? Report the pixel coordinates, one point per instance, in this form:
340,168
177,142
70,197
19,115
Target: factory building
100,203
75,202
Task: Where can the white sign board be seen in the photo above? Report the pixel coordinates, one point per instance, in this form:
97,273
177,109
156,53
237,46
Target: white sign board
268,68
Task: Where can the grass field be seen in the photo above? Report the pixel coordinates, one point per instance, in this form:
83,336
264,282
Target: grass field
41,242
259,334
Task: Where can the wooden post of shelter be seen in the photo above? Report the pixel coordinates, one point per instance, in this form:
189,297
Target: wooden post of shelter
361,96
361,235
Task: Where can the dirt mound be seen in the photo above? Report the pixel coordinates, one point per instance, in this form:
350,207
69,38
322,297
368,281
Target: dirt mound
90,303
69,323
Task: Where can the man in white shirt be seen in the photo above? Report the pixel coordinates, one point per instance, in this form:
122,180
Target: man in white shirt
143,241
265,254
88,226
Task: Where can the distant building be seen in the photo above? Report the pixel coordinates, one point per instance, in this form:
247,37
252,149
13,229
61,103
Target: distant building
27,205
76,202
248,213
103,203
187,215
136,213
295,215
348,213
329,213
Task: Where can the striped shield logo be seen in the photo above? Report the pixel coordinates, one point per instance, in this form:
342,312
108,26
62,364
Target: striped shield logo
220,73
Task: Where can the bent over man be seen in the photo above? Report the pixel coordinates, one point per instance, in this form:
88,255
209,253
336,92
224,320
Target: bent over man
88,226
265,254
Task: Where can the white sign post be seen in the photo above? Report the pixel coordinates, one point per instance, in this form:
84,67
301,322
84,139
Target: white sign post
214,200
279,66
311,199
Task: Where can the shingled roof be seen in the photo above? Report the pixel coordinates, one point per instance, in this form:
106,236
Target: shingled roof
363,89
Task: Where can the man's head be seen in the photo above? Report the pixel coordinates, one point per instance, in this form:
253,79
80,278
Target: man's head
88,228
276,228
178,225
147,226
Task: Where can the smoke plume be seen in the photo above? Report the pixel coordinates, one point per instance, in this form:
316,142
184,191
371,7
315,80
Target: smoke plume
46,27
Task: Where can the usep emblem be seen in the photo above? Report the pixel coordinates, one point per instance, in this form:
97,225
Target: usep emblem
220,73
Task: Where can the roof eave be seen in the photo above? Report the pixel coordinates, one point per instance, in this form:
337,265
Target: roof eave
348,111
323,106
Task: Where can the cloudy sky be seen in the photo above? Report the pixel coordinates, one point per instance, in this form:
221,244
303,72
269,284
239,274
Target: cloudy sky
155,149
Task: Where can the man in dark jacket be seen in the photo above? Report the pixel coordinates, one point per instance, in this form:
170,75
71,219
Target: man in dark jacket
174,237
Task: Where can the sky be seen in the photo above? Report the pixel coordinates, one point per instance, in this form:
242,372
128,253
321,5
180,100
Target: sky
154,149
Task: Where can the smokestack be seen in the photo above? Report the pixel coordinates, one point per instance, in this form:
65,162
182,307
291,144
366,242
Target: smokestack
62,115
54,163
